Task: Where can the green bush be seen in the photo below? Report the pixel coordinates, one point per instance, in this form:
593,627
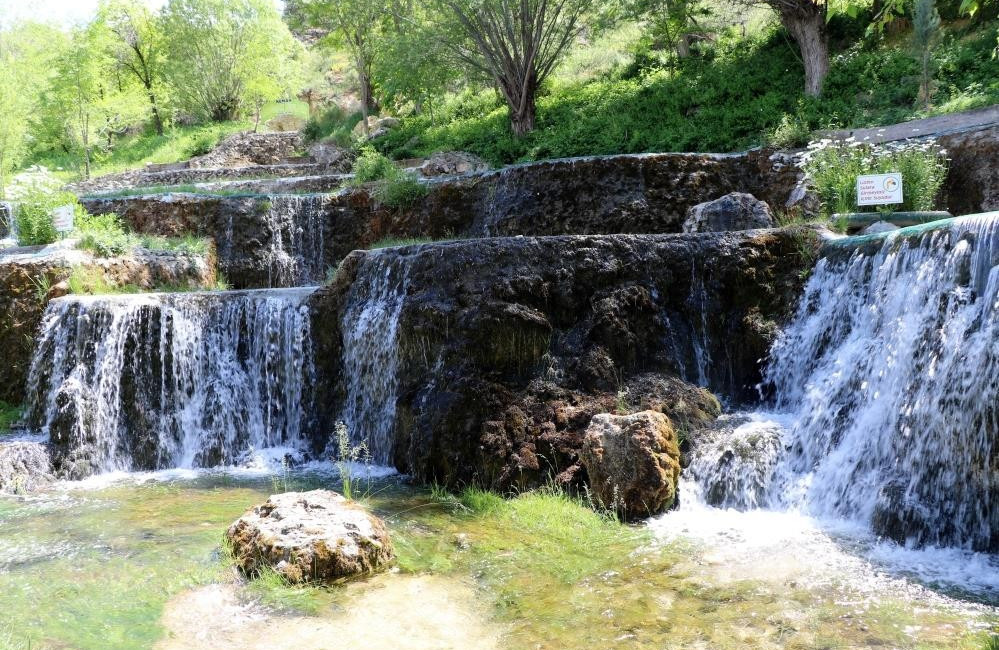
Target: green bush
833,167
104,235
399,191
333,124
373,166
34,202
391,186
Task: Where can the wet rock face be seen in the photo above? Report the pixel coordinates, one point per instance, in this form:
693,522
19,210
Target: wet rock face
24,467
507,347
633,462
316,536
973,178
735,211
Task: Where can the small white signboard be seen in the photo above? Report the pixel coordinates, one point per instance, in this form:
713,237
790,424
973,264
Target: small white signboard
62,218
879,189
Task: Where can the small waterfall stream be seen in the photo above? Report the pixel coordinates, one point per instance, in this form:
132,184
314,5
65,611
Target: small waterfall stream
296,253
172,380
888,395
371,353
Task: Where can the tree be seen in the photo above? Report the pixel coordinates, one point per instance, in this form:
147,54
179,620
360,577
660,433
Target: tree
516,43
925,32
137,46
673,22
223,51
806,20
352,24
88,100
26,54
411,62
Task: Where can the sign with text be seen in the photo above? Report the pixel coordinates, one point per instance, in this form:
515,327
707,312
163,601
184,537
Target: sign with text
879,189
62,218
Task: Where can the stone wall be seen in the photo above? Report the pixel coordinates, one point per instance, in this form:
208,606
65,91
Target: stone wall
973,181
647,193
185,176
28,281
507,346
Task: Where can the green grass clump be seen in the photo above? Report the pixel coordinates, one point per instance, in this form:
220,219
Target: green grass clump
104,235
9,414
34,204
373,166
189,244
390,185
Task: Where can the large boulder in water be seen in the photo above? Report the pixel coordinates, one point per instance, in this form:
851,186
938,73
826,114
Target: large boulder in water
633,462
735,211
310,536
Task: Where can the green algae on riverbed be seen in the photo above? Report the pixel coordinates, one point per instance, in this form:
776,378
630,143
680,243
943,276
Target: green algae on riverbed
94,569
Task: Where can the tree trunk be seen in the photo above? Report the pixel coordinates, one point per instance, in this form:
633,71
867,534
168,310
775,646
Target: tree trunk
807,24
521,100
157,120
365,83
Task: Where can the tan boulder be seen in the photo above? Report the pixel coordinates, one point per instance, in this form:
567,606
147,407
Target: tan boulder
633,462
310,536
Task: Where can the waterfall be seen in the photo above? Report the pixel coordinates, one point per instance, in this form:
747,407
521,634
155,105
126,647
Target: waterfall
889,374
172,380
294,249
371,352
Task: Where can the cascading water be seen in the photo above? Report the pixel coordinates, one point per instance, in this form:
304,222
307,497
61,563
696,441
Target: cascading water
172,380
371,353
296,253
889,376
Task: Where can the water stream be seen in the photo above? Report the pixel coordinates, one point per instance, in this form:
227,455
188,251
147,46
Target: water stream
172,380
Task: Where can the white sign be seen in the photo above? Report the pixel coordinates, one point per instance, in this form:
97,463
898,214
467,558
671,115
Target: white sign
879,189
62,218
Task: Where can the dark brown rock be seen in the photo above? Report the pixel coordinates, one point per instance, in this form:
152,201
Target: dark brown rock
973,178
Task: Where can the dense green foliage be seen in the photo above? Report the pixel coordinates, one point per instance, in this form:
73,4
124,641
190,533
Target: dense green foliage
729,98
333,124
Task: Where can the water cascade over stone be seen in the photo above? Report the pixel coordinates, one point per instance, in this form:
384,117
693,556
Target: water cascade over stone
371,353
889,376
281,244
172,380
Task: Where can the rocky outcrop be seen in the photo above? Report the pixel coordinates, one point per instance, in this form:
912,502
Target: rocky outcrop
633,462
452,163
648,193
30,277
973,177
316,536
24,467
505,348
246,149
735,211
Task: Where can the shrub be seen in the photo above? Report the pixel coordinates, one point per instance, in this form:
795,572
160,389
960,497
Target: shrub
391,186
104,235
792,132
372,166
833,167
399,191
333,124
35,196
